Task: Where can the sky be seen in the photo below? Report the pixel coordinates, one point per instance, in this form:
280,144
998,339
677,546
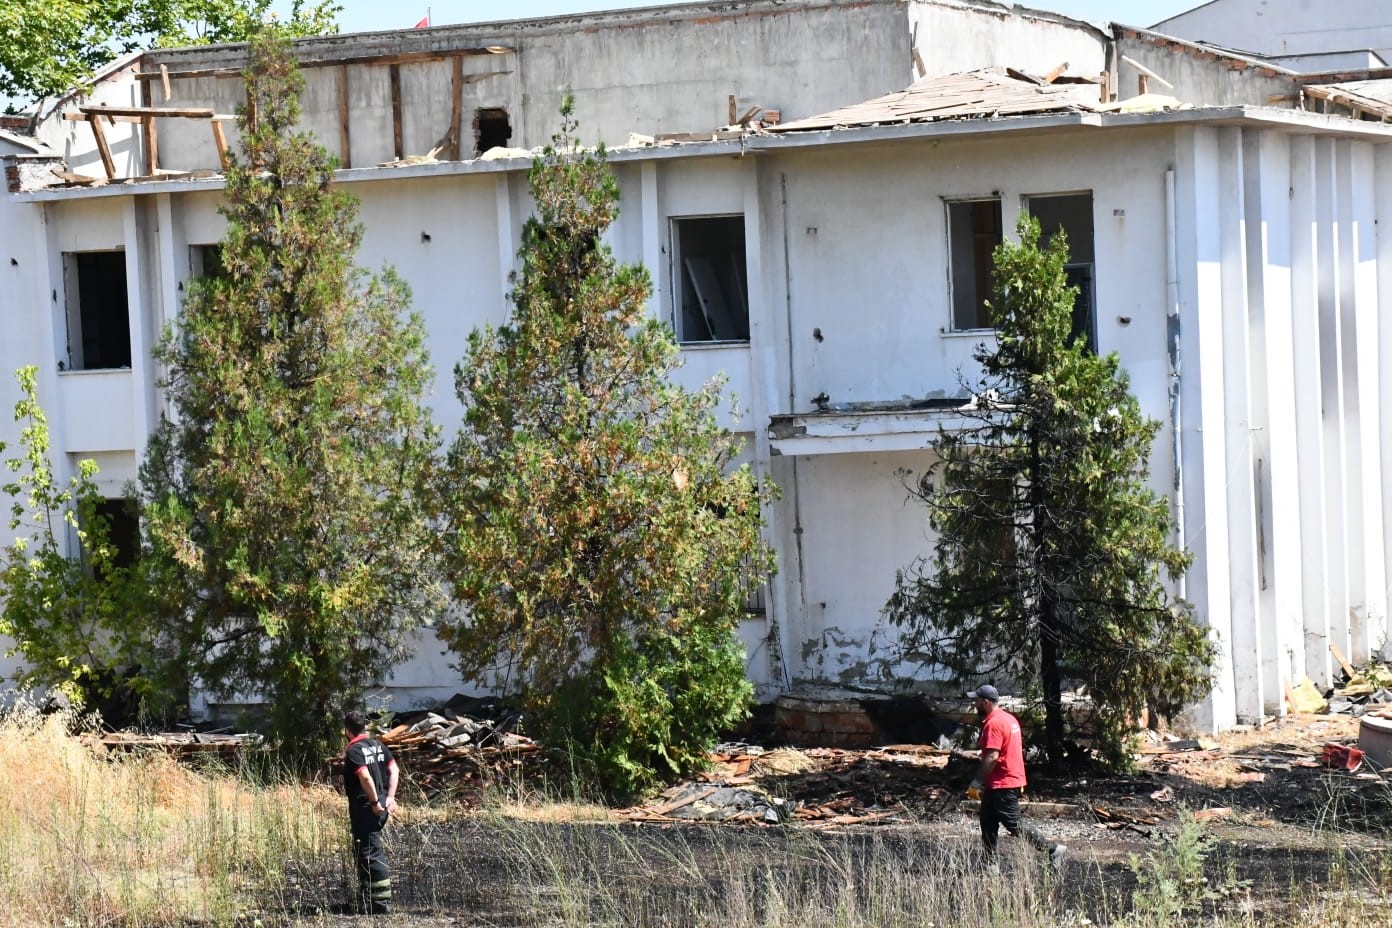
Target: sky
372,15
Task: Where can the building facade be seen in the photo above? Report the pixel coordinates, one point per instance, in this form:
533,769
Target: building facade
825,259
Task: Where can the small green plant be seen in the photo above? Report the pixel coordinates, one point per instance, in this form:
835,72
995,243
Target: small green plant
1170,877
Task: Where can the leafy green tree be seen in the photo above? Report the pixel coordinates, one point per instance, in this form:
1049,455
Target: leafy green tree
73,619
595,530
286,537
1051,549
48,46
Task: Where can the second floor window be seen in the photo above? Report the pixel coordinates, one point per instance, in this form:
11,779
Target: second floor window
973,232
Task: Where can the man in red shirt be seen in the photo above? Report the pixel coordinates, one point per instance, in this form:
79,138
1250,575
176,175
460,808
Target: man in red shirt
1001,778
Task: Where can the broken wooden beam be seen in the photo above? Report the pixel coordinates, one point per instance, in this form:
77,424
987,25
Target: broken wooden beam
102,147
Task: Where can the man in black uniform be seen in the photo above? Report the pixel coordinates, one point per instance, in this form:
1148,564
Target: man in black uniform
369,779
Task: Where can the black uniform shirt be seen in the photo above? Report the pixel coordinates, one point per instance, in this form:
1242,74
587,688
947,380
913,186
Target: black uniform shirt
377,758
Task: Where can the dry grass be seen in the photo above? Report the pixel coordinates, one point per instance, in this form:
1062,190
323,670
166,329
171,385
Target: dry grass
139,840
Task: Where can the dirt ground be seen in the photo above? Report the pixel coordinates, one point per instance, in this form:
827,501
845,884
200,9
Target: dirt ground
1277,814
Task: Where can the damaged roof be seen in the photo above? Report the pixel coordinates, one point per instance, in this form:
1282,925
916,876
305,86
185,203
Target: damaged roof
984,93
1371,97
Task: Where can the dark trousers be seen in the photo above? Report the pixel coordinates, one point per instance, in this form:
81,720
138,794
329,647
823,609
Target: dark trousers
370,856
1002,807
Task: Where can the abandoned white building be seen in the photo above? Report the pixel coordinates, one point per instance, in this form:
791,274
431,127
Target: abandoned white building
817,232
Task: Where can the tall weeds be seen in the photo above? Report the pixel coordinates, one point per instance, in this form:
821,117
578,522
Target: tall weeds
138,839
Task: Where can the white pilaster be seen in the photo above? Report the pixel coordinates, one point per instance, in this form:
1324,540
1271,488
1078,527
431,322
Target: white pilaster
138,316
1200,285
1382,163
766,338
1245,579
1369,624
652,243
507,240
1309,424
1332,393
1267,170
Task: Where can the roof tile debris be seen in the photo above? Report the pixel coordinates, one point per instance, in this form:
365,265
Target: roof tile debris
985,93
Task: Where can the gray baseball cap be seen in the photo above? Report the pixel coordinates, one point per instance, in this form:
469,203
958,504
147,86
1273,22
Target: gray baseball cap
985,691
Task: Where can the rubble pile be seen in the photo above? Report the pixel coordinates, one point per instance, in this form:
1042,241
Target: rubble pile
464,744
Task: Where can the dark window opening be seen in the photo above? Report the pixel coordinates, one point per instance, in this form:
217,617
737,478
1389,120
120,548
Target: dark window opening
974,231
491,129
206,261
122,530
98,310
713,293
1072,213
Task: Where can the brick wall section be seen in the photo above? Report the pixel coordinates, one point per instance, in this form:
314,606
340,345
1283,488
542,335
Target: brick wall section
832,724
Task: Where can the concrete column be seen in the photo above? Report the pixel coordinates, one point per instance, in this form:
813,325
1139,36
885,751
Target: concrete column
1267,175
767,337
1200,284
1309,424
1382,194
1332,392
507,241
1245,579
172,249
139,328
1369,623
652,242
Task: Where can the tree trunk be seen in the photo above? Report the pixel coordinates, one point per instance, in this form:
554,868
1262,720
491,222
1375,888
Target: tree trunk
1052,679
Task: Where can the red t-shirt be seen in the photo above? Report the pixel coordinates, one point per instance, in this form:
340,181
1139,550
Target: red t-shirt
1000,731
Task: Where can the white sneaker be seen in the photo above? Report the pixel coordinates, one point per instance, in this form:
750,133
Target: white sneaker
1057,854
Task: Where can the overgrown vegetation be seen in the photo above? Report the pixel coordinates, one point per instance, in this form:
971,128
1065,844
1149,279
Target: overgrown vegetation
1052,552
137,839
286,538
75,620
597,533
49,46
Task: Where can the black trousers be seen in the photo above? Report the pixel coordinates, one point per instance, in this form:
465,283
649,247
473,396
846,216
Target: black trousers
370,856
1002,807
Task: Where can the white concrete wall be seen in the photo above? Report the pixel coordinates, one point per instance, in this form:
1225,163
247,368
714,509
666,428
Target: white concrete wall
664,70
1277,285
866,266
962,36
1198,76
1287,27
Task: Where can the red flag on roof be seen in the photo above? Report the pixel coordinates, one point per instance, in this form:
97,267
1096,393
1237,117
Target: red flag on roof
424,23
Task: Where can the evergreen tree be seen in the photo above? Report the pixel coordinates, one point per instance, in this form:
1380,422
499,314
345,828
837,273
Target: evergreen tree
596,533
283,512
1051,549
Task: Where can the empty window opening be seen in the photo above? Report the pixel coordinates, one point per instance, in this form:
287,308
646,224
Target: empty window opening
1072,213
122,530
491,129
713,294
98,310
973,232
206,261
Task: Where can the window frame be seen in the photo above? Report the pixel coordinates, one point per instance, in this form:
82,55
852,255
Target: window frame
952,288
677,280
75,324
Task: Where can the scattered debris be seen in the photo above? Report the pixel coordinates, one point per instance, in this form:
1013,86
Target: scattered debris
178,744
